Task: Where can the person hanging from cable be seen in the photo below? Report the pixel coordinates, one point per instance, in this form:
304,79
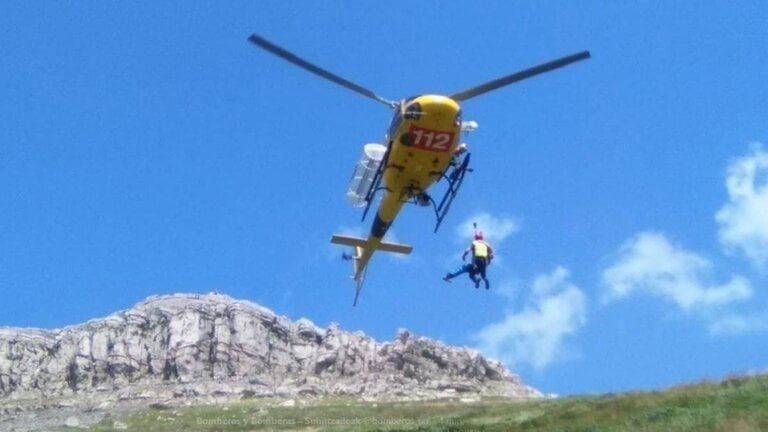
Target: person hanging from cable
482,255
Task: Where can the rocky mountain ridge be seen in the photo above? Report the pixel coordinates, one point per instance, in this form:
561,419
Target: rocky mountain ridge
190,349
190,345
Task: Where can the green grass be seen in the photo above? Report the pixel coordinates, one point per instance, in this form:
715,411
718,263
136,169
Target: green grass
733,405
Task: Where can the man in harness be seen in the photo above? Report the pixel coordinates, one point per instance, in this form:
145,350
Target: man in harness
482,255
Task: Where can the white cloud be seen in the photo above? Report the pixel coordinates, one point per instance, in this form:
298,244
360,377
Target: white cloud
537,334
495,229
744,219
732,324
649,263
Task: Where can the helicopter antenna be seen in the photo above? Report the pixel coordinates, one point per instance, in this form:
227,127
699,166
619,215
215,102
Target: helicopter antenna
300,62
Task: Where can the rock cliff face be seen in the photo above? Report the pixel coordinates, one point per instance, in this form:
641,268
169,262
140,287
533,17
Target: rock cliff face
191,346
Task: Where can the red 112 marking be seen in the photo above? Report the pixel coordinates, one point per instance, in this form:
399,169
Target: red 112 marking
430,140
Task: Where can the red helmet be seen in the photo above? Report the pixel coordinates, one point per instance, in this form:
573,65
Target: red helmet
478,235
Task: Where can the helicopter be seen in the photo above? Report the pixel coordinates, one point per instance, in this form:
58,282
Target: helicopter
422,147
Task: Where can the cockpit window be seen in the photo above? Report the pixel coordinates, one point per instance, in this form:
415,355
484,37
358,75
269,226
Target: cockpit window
397,120
413,111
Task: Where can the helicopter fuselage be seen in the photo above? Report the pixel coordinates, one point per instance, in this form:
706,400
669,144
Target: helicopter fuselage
421,141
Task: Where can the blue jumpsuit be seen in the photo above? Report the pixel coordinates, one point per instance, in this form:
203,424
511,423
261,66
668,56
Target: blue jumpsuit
466,268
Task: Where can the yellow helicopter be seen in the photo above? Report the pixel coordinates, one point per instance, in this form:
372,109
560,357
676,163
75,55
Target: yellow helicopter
422,147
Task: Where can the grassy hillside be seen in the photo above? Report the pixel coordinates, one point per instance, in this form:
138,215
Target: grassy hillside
734,405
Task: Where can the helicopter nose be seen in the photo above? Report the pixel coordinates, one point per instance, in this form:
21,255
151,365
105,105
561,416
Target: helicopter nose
437,111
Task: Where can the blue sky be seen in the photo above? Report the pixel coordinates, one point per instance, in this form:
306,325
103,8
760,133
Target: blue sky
148,149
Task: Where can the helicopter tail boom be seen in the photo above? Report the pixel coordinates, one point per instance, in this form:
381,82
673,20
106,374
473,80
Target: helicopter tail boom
365,244
364,249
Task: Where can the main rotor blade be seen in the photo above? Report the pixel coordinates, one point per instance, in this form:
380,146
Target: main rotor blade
518,76
298,61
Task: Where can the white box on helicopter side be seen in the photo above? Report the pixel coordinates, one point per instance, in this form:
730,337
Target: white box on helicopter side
365,173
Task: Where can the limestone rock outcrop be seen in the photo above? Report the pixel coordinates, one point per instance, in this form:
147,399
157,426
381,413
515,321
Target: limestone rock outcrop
190,346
